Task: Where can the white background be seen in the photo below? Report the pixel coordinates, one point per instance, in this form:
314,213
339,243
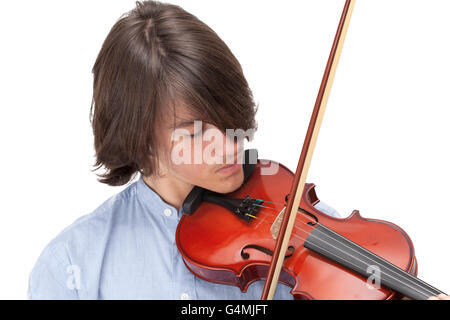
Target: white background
383,147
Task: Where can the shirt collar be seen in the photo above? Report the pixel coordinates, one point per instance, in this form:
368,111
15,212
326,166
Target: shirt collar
152,199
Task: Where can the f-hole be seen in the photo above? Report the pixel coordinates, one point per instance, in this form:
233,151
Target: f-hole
267,251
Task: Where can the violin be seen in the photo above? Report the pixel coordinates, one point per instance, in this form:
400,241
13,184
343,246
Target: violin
270,229
229,239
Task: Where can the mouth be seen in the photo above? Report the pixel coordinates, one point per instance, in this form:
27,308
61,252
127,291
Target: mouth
229,169
233,167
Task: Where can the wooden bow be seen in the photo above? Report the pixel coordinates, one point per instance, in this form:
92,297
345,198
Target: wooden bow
296,191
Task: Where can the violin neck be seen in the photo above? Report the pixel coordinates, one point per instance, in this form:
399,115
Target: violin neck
341,250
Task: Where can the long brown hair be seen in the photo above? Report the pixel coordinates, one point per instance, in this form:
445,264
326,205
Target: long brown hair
155,56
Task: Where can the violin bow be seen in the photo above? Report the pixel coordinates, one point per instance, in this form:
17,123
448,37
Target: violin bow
304,161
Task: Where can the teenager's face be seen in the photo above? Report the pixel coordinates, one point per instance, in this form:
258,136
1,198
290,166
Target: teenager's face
200,154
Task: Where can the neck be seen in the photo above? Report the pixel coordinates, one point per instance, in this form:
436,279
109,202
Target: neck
171,189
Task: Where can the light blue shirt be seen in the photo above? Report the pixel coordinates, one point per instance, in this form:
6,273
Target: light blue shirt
125,249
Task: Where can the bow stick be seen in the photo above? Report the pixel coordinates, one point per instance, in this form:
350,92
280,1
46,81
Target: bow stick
304,161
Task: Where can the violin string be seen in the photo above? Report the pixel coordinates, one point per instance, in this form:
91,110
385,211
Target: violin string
411,279
270,201
406,275
402,274
388,272
259,205
392,276
307,217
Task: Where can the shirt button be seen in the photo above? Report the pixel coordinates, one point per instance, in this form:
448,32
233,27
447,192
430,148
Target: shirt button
184,296
167,212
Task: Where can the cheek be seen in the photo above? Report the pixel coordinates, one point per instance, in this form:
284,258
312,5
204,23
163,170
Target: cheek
204,176
202,154
193,173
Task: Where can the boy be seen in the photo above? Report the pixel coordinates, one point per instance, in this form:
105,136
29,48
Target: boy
158,71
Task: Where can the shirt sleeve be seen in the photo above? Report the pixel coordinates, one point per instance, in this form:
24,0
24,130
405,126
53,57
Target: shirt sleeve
322,206
52,277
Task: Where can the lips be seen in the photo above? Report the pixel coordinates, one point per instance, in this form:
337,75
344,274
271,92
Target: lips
229,169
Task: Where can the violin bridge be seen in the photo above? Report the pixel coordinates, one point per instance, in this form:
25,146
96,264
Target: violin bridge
275,228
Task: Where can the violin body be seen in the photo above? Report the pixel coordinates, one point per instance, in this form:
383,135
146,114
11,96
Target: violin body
220,247
259,232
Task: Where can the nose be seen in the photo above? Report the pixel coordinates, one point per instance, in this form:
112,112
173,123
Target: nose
233,149
227,147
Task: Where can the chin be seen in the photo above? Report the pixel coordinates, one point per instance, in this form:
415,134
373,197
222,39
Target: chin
231,183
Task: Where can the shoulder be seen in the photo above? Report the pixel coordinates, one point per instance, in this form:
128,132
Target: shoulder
92,225
79,244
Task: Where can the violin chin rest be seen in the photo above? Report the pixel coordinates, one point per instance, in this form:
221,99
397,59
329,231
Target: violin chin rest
251,157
